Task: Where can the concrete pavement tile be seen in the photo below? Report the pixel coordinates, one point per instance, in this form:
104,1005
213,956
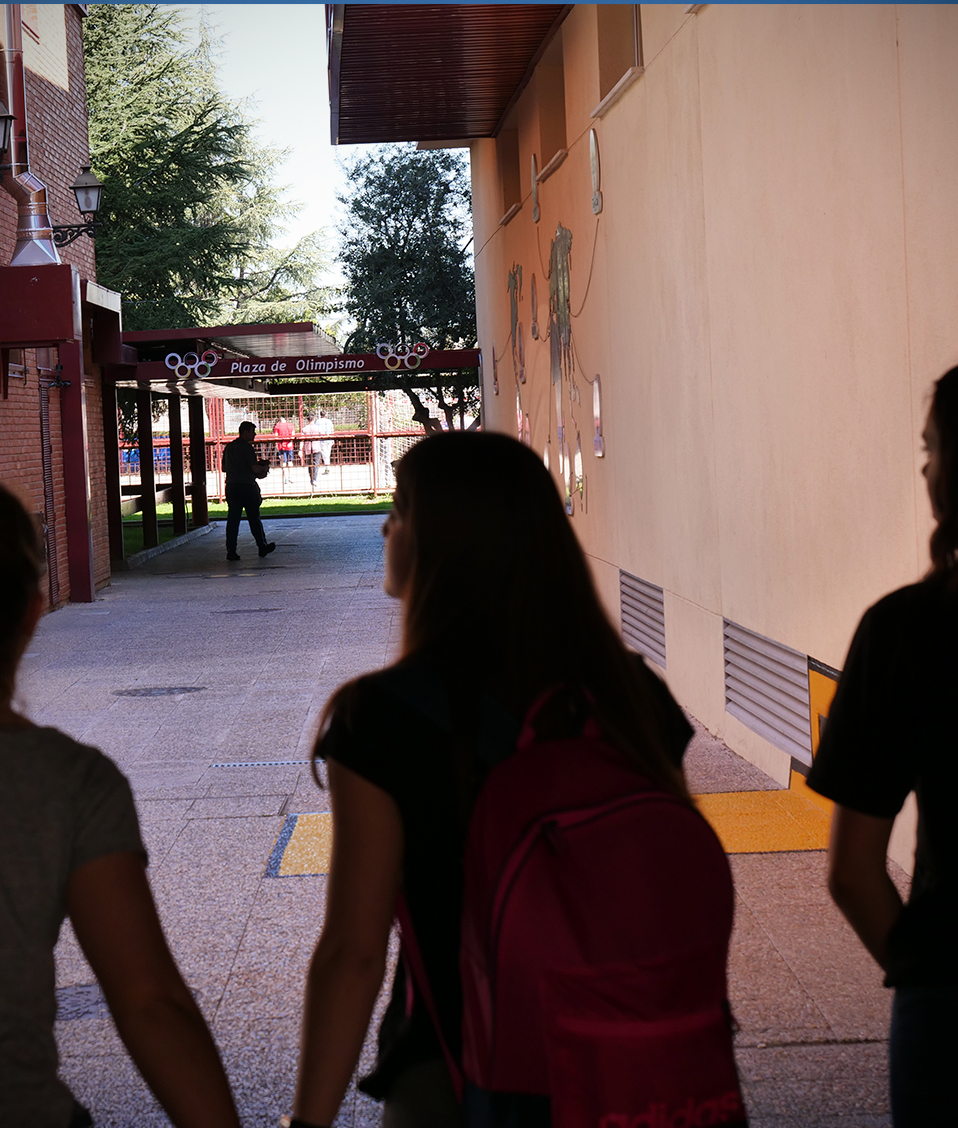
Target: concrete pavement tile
260,1057
782,879
88,1037
236,806
710,767
113,1090
807,1081
853,1016
71,964
161,810
308,796
159,838
859,1120
279,780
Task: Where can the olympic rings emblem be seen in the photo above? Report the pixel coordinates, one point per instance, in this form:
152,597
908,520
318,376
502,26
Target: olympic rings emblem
191,363
412,358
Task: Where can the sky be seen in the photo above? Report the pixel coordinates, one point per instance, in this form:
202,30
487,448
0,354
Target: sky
273,59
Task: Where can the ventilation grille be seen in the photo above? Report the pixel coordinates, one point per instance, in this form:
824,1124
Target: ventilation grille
643,616
766,688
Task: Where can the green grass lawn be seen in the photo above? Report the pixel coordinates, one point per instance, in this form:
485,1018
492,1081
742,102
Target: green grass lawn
133,536
272,507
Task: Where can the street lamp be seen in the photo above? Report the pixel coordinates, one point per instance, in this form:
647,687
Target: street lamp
6,128
88,191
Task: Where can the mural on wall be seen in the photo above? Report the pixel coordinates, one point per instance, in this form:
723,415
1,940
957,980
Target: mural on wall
598,442
560,322
515,296
596,172
563,446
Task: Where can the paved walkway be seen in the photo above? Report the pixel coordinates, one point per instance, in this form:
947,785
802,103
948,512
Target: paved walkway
205,682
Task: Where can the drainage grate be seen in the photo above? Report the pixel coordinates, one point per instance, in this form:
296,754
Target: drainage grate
82,1001
262,764
158,690
247,611
766,688
642,606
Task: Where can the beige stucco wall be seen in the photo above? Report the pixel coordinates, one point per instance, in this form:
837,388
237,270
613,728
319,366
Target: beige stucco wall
46,55
772,291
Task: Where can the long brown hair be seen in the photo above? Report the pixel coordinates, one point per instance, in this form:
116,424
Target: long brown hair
500,594
21,568
944,540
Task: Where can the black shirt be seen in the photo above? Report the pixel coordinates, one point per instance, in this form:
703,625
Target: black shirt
893,729
240,463
396,733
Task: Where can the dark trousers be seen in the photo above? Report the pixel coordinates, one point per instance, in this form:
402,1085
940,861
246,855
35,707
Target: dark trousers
240,496
924,1048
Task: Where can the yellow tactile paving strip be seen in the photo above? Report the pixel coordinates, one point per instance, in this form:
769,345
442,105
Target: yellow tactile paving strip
765,822
747,822
309,846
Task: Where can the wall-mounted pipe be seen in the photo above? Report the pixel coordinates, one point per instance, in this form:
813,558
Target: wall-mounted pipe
35,246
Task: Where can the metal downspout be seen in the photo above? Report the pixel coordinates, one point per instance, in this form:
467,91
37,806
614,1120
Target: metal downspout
35,246
49,508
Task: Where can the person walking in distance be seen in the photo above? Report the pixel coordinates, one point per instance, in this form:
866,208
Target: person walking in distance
283,430
242,468
311,446
326,428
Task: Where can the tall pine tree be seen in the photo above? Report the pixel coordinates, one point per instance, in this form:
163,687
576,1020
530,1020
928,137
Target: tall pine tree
189,203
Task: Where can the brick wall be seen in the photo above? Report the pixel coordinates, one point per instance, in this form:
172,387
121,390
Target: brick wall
57,121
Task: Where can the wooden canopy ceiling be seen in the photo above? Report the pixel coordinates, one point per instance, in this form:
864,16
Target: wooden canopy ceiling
431,72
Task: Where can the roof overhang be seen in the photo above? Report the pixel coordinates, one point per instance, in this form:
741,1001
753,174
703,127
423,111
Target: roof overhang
431,72
299,338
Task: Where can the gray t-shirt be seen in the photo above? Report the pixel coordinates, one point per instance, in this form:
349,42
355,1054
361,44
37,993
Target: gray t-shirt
62,804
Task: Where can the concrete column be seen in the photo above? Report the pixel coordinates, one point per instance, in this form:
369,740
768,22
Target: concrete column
201,513
177,488
76,475
111,450
144,435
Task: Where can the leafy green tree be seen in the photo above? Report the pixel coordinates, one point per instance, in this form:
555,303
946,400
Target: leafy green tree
190,206
404,254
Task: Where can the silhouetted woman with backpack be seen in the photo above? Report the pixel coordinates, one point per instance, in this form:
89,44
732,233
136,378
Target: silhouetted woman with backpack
500,615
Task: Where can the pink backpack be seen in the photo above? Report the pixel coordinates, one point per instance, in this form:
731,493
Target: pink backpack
596,922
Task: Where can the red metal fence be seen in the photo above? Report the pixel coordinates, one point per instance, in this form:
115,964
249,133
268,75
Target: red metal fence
370,433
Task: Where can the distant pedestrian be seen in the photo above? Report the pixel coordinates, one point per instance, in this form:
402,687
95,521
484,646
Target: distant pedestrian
242,468
283,430
326,445
311,446
70,845
892,729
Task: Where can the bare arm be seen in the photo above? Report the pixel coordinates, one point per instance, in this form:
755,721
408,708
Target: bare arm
111,905
350,959
858,877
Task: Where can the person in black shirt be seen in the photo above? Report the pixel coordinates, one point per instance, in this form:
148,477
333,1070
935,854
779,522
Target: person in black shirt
498,607
242,468
893,729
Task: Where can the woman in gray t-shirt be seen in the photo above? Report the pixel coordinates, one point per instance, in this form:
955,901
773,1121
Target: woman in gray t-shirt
70,846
